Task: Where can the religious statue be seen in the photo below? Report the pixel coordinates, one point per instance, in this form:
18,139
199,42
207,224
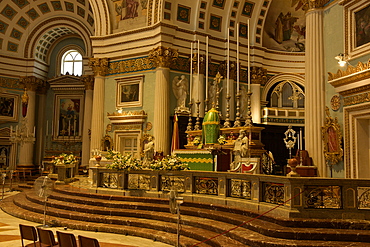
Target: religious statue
180,90
148,151
241,147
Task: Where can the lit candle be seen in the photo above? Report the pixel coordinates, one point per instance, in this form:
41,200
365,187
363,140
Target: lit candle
249,60
207,67
198,71
191,71
228,62
237,57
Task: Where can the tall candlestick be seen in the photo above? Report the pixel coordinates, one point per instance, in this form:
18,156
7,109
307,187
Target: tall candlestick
249,60
207,67
237,57
228,62
191,70
300,137
198,71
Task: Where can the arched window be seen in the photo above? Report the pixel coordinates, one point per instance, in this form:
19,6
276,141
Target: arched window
71,63
287,94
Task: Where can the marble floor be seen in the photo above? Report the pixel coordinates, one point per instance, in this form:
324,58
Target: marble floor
9,233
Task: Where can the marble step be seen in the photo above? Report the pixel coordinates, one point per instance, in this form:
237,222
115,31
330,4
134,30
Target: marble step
214,221
220,214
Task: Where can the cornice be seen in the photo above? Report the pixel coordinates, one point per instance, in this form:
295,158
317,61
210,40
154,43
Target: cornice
350,75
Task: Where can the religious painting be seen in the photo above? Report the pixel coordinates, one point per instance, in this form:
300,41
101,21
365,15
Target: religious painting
68,117
129,14
357,28
284,26
362,20
332,138
9,107
129,92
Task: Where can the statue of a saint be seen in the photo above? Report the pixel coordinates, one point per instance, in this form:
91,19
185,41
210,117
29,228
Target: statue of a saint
180,90
148,151
241,147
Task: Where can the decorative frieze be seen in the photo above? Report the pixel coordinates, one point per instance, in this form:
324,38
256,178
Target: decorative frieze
31,83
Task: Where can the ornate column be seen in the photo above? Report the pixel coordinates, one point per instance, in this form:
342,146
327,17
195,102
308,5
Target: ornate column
315,84
25,154
162,58
100,69
88,81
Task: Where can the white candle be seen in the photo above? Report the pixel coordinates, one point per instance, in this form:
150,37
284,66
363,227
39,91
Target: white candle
198,71
47,128
237,57
207,67
191,71
298,146
228,62
249,60
300,137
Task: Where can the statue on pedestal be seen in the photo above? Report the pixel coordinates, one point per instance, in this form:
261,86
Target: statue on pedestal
241,148
148,151
180,90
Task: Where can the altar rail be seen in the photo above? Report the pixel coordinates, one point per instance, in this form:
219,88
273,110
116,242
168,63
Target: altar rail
301,197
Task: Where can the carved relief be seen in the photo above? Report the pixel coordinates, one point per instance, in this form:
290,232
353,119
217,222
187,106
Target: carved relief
163,56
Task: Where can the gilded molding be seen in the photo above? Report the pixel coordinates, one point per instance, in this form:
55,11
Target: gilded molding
128,113
131,65
31,83
10,83
342,77
99,66
357,99
163,56
307,5
88,81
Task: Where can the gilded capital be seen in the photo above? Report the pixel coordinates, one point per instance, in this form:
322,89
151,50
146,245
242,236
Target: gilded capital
99,66
163,56
88,81
307,5
31,83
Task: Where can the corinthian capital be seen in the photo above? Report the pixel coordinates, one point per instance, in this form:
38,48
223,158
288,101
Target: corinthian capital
163,56
88,81
99,66
31,83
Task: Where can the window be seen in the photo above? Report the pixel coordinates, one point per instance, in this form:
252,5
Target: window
71,63
287,94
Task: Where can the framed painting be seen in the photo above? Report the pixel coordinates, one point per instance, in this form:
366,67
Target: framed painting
67,123
129,91
9,107
357,28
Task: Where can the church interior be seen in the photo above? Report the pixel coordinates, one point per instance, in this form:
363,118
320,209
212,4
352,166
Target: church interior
250,117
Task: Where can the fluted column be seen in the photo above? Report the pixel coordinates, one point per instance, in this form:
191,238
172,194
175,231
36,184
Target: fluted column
100,69
162,58
88,80
314,88
25,151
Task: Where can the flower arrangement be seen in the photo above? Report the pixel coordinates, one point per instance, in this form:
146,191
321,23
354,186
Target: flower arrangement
122,162
169,163
64,159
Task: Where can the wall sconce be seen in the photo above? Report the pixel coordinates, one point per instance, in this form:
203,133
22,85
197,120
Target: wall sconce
342,59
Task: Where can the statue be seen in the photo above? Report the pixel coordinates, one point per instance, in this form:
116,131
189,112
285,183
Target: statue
148,151
241,147
180,90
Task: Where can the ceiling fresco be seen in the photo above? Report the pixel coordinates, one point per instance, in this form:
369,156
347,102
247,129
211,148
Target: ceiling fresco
285,26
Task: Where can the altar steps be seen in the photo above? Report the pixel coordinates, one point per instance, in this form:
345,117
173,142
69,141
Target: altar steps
150,218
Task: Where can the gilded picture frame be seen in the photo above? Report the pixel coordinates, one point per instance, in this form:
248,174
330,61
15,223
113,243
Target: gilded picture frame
68,117
357,19
129,92
332,138
9,107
